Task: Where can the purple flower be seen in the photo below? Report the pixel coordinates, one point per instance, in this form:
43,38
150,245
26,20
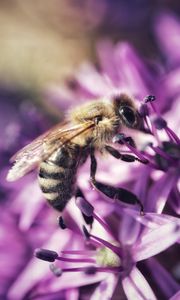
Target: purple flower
155,184
137,237
117,252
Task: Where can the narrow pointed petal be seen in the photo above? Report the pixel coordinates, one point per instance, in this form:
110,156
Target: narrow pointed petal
104,50
129,230
152,220
159,192
36,270
106,288
176,296
156,241
163,279
168,25
90,79
72,294
130,66
136,286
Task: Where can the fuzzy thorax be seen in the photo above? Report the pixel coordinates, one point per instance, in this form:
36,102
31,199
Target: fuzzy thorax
105,128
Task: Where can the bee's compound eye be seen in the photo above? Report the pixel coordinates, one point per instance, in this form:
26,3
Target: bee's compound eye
128,115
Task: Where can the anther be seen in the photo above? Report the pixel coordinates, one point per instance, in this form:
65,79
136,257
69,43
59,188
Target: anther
45,254
85,207
91,270
149,98
160,123
88,220
61,223
86,232
55,270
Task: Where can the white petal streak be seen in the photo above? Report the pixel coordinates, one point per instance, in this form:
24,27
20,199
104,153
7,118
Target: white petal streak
156,241
72,294
163,278
106,288
136,287
176,296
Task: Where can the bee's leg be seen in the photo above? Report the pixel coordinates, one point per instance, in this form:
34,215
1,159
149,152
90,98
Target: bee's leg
113,192
120,138
125,157
93,167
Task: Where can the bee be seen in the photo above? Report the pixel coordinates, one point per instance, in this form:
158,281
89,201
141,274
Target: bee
60,152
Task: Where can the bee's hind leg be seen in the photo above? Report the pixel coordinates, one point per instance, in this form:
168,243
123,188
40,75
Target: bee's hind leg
111,191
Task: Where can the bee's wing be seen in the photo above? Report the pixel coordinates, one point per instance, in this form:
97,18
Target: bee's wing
29,157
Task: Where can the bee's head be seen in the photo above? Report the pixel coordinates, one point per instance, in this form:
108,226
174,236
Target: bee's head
126,111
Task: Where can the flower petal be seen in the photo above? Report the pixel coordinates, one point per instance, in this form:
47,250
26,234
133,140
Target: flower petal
159,192
176,296
129,230
90,79
72,294
163,279
106,288
36,270
130,66
152,220
168,25
136,286
156,241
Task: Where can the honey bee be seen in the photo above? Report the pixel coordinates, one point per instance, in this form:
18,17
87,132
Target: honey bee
60,152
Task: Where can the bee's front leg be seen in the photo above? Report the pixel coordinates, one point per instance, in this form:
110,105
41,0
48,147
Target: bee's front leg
121,139
113,192
124,157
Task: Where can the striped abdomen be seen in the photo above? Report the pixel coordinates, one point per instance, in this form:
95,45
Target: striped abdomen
57,176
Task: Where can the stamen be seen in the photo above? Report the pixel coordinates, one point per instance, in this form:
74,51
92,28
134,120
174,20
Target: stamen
61,223
95,269
45,254
148,123
76,260
86,233
91,270
88,220
102,222
172,133
162,153
154,108
160,123
144,110
55,270
106,244
149,98
77,252
85,207
152,127
136,152
150,158
122,139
